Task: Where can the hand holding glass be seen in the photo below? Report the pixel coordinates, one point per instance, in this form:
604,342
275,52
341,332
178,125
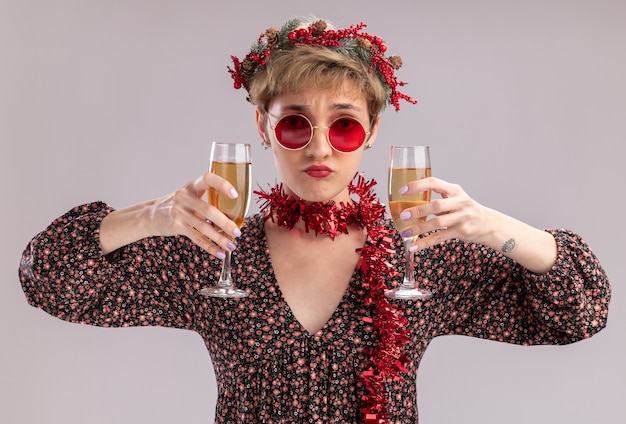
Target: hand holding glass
406,164
232,162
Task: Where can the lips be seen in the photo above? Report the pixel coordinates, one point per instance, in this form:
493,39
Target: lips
318,171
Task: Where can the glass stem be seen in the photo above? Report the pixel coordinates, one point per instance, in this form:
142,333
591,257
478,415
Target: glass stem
225,277
409,270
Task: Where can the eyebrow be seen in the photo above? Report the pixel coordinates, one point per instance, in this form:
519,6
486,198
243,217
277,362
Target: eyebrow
334,106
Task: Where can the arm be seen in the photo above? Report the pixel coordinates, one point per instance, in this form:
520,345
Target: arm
149,282
482,293
456,215
105,267
532,248
519,283
180,213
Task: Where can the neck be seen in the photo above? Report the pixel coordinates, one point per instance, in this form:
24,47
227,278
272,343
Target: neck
340,199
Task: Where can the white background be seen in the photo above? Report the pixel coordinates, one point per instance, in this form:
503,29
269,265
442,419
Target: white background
522,102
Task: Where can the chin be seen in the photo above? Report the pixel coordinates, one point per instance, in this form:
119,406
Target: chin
323,196
318,190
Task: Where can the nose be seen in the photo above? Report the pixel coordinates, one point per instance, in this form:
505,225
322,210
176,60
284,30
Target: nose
319,146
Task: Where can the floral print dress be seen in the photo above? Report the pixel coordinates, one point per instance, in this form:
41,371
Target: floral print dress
269,369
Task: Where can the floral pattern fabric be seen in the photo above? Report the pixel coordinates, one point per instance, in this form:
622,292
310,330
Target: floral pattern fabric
269,369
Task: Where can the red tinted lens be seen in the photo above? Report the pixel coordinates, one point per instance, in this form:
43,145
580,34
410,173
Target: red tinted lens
346,134
293,131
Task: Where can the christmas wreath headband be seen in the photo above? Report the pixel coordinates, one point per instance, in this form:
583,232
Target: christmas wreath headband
350,41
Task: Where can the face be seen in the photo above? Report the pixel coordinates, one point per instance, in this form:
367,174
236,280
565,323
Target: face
317,172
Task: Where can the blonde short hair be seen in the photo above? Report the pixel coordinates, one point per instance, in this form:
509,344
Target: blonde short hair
313,66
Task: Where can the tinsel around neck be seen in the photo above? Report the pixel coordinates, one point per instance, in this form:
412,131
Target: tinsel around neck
328,218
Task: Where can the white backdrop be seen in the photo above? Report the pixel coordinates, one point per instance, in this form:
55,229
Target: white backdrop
522,102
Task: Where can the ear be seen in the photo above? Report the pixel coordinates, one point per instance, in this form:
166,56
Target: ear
261,124
373,132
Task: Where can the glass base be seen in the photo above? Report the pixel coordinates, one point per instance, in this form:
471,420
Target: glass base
408,293
223,291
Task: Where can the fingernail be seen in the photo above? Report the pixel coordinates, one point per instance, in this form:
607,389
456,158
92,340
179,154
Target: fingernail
233,193
237,232
406,233
221,255
405,215
414,248
403,189
231,246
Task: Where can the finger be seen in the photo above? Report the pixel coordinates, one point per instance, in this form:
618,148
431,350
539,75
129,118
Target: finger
212,232
444,188
193,211
438,207
453,215
421,228
211,180
432,239
219,219
417,215
204,242
208,236
414,213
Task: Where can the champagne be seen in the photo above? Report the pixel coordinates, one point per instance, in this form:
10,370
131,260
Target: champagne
230,161
399,177
406,164
239,174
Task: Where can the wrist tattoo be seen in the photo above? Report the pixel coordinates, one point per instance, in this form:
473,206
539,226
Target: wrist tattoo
509,246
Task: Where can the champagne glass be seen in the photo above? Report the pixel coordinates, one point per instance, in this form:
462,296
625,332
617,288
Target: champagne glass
407,163
232,162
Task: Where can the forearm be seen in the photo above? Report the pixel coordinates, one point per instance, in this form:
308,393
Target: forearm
124,226
532,248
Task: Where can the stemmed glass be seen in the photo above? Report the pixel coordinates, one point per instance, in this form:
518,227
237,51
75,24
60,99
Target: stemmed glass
407,163
232,162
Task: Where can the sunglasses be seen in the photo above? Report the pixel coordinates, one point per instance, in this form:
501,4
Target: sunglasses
295,132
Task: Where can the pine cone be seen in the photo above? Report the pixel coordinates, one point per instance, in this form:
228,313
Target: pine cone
363,43
272,36
320,27
395,62
248,66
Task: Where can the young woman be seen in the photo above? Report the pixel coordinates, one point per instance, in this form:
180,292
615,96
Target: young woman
316,340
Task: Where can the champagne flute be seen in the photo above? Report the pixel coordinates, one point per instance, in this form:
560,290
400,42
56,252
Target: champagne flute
407,163
232,162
